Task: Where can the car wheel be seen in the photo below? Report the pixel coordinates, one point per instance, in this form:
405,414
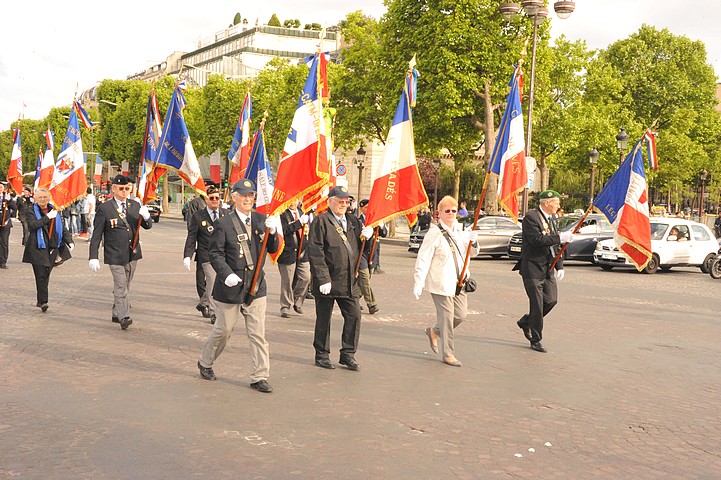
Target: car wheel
715,268
652,265
156,219
607,268
705,266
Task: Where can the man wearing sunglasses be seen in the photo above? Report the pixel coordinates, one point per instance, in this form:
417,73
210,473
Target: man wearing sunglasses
116,223
200,228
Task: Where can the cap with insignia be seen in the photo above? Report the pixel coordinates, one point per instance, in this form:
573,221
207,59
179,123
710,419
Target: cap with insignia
546,194
340,192
211,190
243,186
363,202
120,180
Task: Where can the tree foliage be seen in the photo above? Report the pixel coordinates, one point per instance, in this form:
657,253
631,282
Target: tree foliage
274,21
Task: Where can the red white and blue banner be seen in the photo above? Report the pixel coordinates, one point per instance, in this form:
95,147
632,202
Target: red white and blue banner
176,149
37,169
397,186
508,159
624,201
649,138
259,171
47,167
98,173
15,169
240,147
83,115
69,182
304,163
150,172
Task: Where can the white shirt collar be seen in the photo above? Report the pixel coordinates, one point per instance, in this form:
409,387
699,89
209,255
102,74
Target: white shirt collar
241,215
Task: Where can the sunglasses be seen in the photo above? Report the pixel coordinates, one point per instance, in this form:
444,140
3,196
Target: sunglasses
213,198
450,210
125,188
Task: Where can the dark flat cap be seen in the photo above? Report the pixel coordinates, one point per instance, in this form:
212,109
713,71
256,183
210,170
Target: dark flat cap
340,192
244,186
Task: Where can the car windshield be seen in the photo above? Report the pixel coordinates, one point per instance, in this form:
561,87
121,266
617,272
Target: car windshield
658,230
597,225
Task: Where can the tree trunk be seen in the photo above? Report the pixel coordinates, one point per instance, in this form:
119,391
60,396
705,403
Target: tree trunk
166,193
544,173
457,166
490,202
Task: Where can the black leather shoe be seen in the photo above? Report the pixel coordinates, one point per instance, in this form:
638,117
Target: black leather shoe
324,363
206,373
116,319
262,386
125,323
298,310
199,308
284,313
350,363
44,307
372,309
524,326
3,266
309,296
538,347
212,319
206,312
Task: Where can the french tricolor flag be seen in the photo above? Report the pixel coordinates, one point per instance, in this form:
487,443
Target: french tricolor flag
69,181
240,147
98,174
15,169
47,166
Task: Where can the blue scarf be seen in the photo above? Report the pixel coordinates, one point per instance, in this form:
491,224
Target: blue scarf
41,237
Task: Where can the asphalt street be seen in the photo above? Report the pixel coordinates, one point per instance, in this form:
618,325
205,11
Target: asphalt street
630,387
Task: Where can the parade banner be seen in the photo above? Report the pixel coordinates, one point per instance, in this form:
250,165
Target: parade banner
15,169
239,152
69,182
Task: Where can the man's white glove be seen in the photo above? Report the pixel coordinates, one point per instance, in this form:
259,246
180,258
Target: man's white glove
71,246
186,262
471,236
232,280
325,288
94,264
144,212
273,224
52,214
304,218
560,274
417,291
567,237
367,232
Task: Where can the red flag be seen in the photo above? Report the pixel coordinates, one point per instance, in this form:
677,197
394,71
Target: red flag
15,169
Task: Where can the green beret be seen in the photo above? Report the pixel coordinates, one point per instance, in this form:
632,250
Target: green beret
549,194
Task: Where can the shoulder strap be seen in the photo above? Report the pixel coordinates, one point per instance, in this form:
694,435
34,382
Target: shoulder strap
342,234
454,250
243,240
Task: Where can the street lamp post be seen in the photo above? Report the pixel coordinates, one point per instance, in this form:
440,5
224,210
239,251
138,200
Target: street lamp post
621,143
437,163
536,10
703,177
359,160
593,160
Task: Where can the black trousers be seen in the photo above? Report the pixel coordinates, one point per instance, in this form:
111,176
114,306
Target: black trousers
199,280
350,309
542,297
26,231
42,280
4,244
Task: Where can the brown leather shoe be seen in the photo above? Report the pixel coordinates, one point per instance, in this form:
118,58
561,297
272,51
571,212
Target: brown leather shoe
433,338
452,361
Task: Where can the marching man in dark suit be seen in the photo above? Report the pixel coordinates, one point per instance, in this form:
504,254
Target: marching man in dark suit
200,228
541,243
293,261
47,240
116,222
334,244
234,253
8,208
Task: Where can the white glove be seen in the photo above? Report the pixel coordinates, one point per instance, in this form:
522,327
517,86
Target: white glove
471,236
272,223
417,291
144,212
304,218
325,288
186,262
560,274
52,214
94,264
367,232
567,237
71,246
232,280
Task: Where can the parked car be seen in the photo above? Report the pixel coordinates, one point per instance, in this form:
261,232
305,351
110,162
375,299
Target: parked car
493,235
154,210
693,246
595,227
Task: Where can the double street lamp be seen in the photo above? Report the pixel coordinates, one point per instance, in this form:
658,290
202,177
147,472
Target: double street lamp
359,160
593,160
535,9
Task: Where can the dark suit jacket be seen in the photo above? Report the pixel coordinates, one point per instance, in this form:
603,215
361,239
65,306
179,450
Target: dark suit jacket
292,231
116,236
46,256
536,255
200,228
8,209
382,232
330,260
225,257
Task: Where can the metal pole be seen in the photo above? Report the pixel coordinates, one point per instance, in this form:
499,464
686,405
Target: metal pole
360,180
531,91
435,185
593,178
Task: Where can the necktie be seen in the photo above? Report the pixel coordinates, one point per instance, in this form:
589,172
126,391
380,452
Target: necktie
247,222
215,215
344,224
125,208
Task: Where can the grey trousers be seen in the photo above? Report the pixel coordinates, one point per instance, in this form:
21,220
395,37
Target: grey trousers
207,299
450,312
228,315
122,276
364,282
290,296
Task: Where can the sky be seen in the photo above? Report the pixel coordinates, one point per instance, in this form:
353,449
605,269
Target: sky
51,48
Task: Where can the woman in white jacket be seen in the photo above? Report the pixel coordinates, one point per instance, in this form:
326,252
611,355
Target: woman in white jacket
439,262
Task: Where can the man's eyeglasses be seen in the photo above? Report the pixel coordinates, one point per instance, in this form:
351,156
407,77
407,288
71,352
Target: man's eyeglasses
450,210
125,188
214,198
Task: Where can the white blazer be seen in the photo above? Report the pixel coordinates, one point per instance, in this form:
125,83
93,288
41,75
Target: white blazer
435,266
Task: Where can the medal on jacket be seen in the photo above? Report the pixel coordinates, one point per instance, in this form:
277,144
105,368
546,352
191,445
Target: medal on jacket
113,222
341,232
120,213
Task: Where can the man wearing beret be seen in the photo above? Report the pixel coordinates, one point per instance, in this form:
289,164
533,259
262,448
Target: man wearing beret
234,251
541,243
115,224
334,244
8,209
200,228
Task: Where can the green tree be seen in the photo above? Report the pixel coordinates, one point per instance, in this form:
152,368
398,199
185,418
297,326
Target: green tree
236,19
291,23
274,21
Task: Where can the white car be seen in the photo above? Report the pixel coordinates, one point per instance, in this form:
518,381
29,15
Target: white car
675,242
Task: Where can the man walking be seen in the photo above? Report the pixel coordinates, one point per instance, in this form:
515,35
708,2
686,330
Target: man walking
235,255
116,223
293,261
369,254
8,209
333,247
541,242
